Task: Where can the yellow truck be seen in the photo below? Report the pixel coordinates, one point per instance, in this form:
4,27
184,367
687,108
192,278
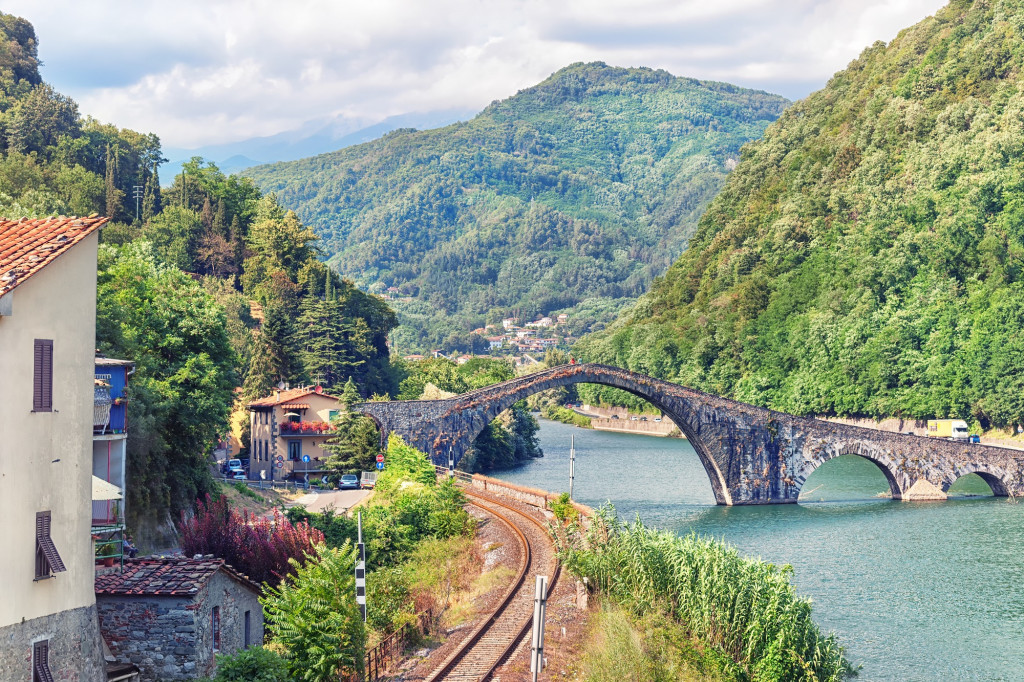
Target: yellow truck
950,429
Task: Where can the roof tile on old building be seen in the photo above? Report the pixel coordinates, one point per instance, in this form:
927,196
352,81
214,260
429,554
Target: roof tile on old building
284,397
29,245
176,576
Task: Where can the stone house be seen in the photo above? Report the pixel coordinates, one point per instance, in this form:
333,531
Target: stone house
170,616
48,627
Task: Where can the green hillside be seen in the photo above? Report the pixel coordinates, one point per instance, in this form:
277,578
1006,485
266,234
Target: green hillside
570,196
865,257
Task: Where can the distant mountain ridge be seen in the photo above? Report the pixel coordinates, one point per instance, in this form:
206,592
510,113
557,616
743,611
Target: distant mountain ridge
866,257
313,137
569,196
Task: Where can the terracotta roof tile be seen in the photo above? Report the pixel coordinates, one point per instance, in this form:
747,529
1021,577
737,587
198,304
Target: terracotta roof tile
284,397
175,576
27,246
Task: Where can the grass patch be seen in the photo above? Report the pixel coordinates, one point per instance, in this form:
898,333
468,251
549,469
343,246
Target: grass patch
464,606
565,415
650,649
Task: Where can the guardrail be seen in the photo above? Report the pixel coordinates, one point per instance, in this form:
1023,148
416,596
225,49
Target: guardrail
391,649
282,485
459,475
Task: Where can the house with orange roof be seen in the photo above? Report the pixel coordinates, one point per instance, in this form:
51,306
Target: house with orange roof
288,430
48,620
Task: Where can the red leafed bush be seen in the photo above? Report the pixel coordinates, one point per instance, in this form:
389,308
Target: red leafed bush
254,545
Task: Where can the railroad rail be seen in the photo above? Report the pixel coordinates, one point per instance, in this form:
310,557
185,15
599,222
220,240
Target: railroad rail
495,639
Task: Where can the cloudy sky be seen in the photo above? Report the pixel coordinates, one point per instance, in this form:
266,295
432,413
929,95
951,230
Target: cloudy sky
201,72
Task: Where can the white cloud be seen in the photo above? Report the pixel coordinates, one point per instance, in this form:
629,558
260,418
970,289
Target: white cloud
201,71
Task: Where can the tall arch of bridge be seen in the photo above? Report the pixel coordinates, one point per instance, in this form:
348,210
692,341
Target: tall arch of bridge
455,423
752,455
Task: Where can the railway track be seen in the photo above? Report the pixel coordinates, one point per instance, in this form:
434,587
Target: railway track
495,639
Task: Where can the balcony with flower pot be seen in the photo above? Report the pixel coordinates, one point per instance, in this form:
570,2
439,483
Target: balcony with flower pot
292,429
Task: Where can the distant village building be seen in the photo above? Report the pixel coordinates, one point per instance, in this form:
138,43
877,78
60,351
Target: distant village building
463,359
48,624
509,322
495,342
563,318
287,432
170,616
413,358
525,333
541,323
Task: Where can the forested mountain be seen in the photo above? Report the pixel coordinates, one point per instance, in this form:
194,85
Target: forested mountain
568,197
865,256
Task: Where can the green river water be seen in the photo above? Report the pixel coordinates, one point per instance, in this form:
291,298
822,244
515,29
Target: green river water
914,590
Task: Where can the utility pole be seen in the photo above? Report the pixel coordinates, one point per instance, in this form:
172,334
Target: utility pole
361,568
539,605
572,462
137,193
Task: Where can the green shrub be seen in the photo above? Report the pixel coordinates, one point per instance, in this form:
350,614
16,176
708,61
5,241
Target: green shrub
313,614
388,604
246,491
563,509
254,664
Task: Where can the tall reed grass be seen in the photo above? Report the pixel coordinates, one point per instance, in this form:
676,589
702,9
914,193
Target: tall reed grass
746,608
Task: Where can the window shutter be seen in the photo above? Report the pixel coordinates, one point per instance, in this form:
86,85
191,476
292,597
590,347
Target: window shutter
41,662
44,544
42,376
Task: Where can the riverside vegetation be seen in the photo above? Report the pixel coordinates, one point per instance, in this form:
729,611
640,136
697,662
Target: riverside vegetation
569,196
691,607
863,258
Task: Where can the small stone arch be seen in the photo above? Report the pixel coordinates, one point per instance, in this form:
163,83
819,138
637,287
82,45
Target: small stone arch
996,479
880,459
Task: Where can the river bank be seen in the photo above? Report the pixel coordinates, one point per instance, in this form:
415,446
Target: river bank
915,590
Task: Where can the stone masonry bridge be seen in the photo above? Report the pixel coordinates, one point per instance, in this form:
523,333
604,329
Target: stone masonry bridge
752,455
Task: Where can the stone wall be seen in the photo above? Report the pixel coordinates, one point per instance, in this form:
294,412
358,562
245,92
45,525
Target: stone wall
647,428
156,633
535,497
76,652
171,638
233,600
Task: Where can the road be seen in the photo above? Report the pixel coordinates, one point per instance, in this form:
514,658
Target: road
340,499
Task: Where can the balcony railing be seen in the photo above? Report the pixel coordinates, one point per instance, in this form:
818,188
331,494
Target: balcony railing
305,428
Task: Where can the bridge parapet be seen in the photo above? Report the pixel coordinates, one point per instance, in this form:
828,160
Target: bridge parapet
752,455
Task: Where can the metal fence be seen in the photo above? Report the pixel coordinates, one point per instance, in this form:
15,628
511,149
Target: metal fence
267,485
459,475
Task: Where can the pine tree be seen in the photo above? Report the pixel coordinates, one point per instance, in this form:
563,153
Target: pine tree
151,198
356,440
206,215
324,335
220,224
114,195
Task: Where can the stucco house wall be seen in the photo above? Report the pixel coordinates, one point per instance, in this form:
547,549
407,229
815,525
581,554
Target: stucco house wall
46,465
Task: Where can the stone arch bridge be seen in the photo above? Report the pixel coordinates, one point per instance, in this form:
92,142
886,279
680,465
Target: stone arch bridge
752,455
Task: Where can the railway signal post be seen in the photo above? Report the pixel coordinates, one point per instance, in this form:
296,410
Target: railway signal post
361,567
539,606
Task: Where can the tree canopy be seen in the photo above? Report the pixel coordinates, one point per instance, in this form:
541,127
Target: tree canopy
864,257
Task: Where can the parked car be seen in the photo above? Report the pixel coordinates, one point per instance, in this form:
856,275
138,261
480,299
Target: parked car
348,482
238,475
974,438
657,419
